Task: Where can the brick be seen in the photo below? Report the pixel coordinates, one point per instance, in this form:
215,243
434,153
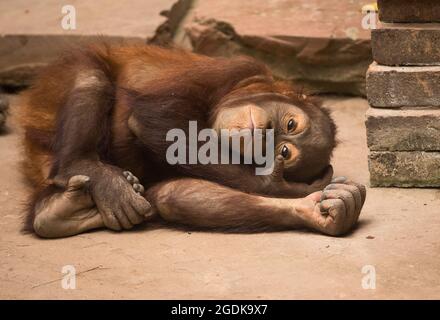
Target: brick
406,44
409,10
403,86
404,169
403,130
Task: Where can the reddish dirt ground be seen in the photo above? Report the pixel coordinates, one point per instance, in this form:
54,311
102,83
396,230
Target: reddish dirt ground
398,235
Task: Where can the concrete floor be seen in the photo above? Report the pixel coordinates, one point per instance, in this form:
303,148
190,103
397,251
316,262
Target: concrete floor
398,234
103,17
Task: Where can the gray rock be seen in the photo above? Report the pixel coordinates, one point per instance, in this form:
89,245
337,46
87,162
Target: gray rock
330,54
165,32
404,169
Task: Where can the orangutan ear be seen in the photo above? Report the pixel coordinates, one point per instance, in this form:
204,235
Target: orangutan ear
134,126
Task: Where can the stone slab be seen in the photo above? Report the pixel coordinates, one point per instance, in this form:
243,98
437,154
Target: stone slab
409,10
403,130
31,34
22,56
403,86
404,169
319,44
406,44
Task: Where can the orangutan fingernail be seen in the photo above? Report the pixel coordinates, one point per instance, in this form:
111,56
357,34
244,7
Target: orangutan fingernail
329,187
339,179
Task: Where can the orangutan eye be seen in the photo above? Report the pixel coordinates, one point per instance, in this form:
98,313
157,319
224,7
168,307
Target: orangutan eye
291,125
285,152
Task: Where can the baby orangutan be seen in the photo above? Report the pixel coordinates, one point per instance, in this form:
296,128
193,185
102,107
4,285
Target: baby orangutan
95,135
